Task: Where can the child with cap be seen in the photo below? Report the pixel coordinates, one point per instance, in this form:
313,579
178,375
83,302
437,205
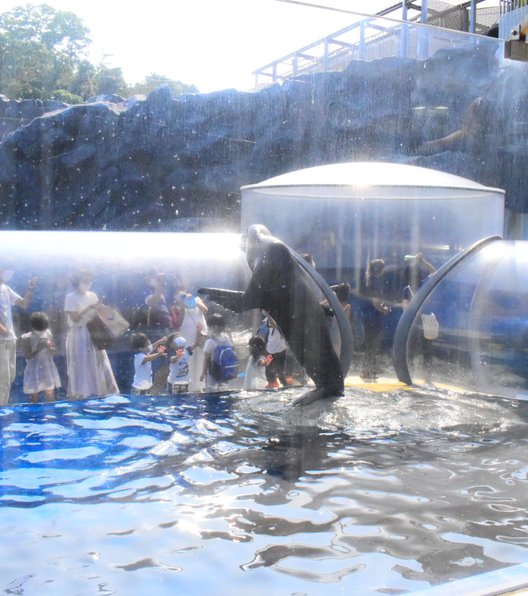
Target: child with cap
179,369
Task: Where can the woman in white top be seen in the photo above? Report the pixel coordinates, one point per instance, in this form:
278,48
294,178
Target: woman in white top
8,298
194,328
89,369
194,311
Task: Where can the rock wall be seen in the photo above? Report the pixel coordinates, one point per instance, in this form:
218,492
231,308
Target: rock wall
163,163
16,113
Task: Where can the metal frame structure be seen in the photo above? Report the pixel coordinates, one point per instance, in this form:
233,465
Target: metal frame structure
510,5
358,40
513,13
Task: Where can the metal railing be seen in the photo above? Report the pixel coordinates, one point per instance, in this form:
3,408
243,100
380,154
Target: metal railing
512,13
324,54
510,5
372,38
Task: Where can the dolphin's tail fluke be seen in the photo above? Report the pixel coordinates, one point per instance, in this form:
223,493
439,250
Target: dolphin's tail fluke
316,394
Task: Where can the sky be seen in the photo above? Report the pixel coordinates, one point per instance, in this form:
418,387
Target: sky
213,44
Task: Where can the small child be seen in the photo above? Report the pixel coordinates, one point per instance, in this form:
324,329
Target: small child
217,375
276,346
40,373
179,371
145,353
254,377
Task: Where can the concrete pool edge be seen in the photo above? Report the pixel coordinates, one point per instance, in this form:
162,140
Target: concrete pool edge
509,580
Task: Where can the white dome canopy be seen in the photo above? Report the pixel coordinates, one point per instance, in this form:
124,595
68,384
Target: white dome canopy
346,212
370,174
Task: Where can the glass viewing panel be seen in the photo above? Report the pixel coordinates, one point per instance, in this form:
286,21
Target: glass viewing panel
149,280
481,337
394,93
108,298
348,214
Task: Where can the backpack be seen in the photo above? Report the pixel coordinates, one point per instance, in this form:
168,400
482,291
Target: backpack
224,366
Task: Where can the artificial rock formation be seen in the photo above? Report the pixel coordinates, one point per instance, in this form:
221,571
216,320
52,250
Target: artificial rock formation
178,163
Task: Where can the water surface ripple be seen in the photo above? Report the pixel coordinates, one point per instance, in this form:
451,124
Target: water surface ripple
368,494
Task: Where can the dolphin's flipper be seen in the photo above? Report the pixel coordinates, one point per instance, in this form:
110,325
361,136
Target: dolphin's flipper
311,396
229,299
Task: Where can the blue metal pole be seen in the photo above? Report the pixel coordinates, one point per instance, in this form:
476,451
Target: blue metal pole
472,16
423,33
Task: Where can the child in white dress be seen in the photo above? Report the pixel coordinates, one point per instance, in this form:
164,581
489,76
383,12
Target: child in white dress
40,373
254,377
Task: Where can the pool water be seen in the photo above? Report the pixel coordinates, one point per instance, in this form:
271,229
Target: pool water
243,494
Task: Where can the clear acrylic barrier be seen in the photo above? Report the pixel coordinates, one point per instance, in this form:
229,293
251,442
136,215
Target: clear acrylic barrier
347,214
482,339
124,270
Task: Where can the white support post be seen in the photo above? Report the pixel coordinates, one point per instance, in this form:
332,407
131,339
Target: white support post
362,48
404,37
423,41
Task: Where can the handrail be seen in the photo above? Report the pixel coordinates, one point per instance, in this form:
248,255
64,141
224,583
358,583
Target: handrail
314,44
325,43
290,62
511,5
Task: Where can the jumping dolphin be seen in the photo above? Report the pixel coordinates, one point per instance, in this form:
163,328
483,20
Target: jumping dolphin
285,286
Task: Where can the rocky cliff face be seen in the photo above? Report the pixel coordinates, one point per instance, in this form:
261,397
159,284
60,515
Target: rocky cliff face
161,162
16,113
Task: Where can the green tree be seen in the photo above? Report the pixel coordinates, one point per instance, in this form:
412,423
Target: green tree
109,80
40,50
59,31
67,96
83,83
153,81
42,56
